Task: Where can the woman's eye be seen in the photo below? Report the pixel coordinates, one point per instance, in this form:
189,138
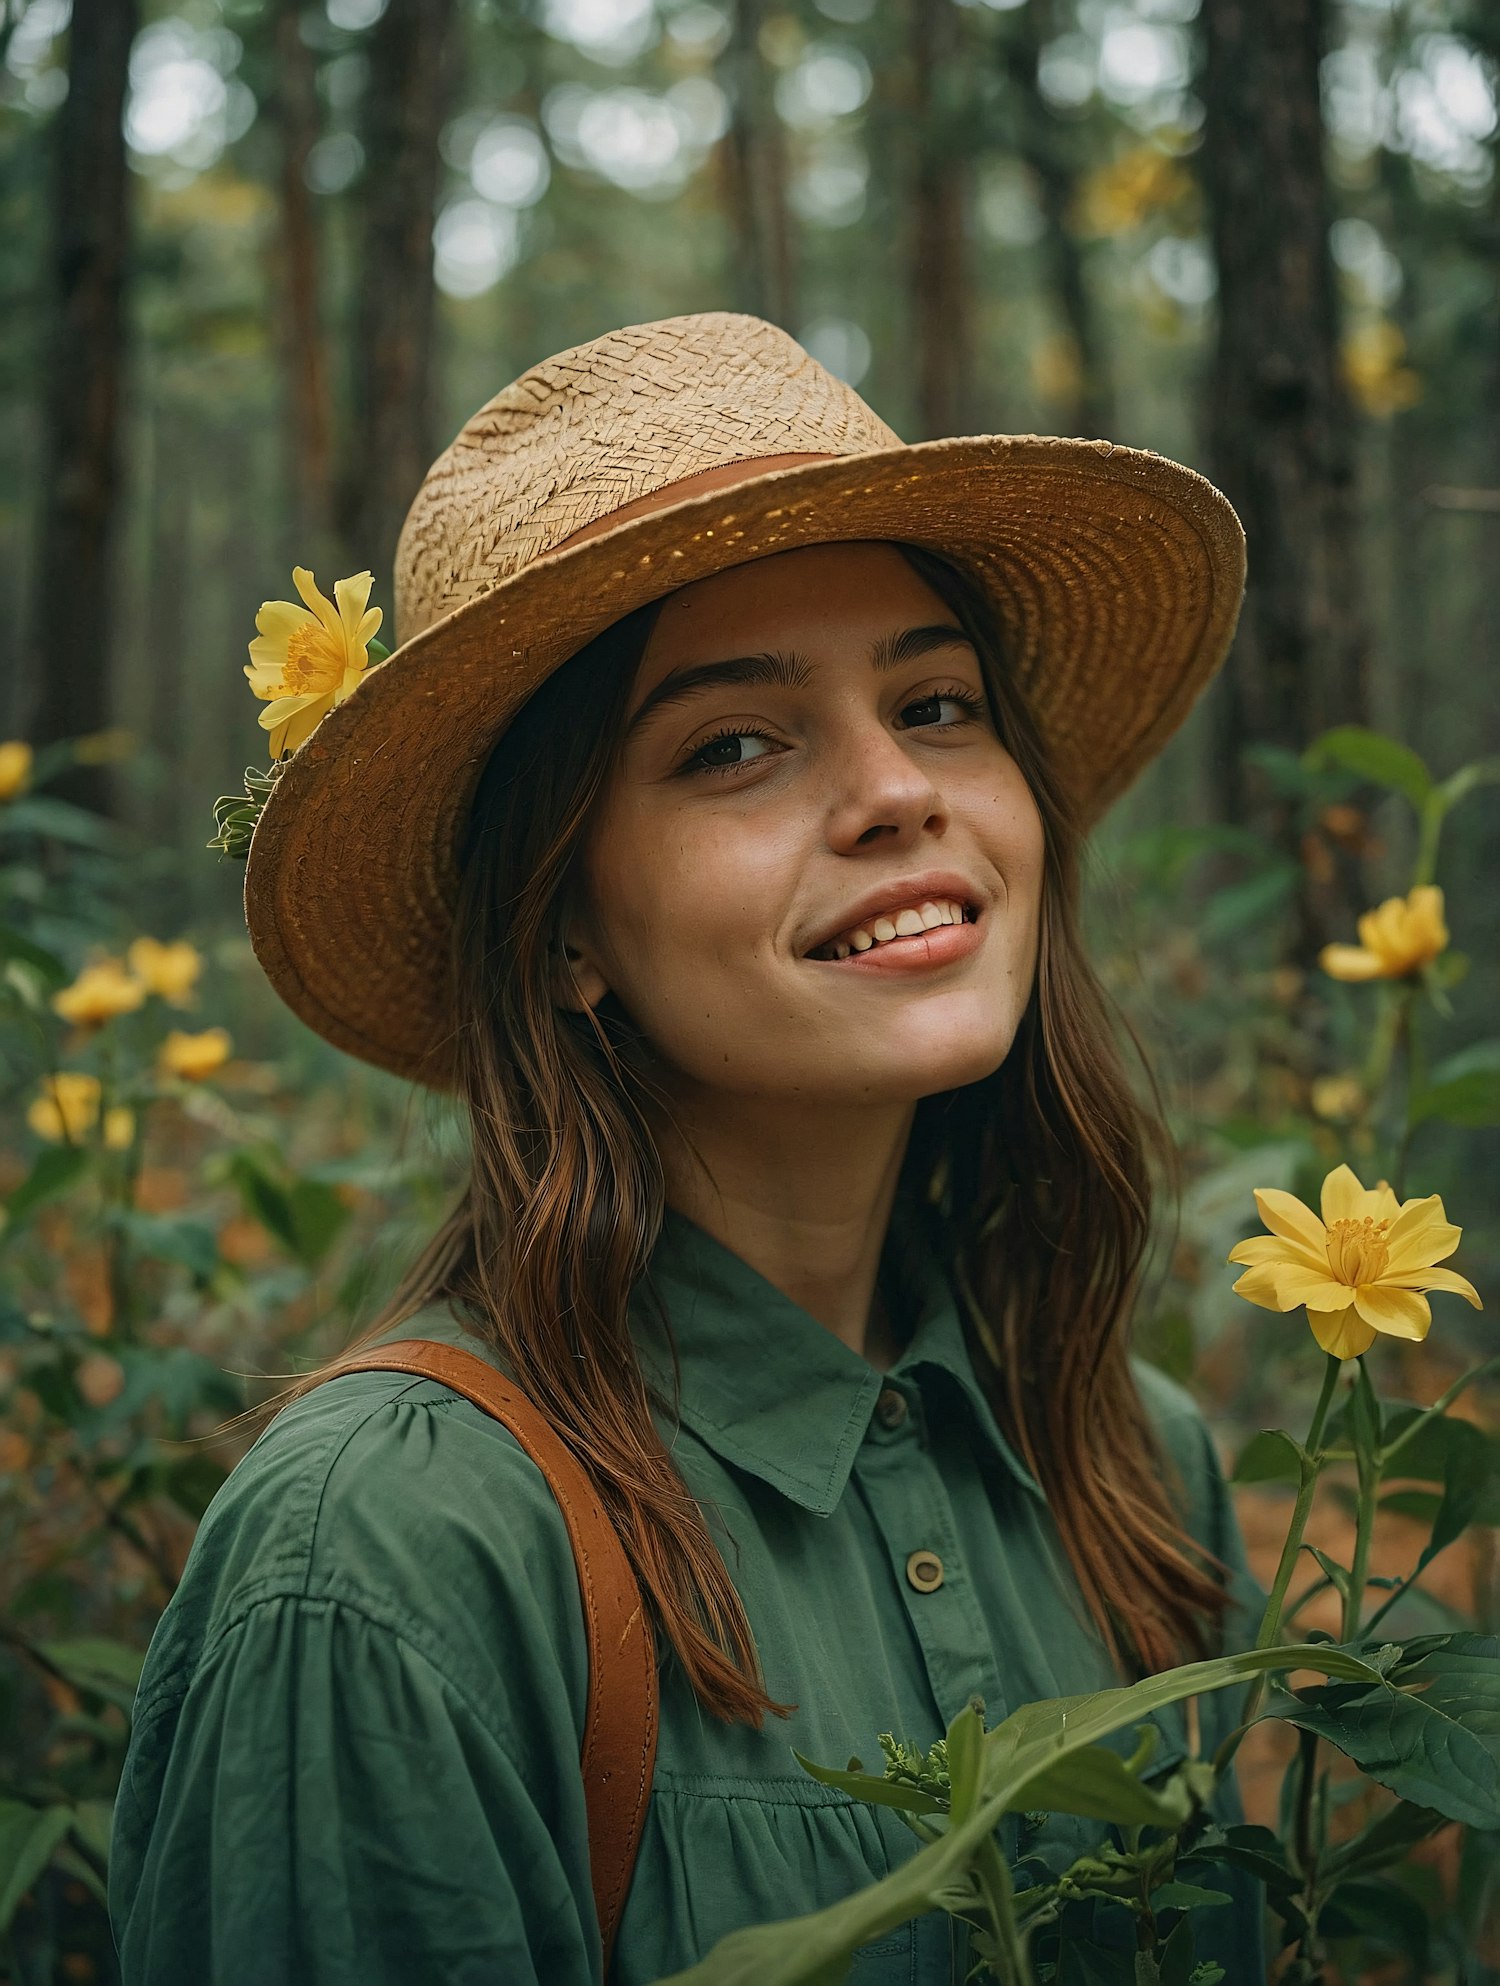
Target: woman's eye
930,710
728,750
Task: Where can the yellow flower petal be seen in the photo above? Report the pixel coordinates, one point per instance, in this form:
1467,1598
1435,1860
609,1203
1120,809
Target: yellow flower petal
353,597
317,601
1385,1207
1437,1279
1258,1285
1261,1248
1296,1285
1420,1235
1398,1313
1341,1333
1350,962
1343,1197
1284,1214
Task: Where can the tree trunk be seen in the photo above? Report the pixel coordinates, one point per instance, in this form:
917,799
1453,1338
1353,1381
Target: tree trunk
307,405
753,163
1045,146
71,641
391,442
937,259
1280,427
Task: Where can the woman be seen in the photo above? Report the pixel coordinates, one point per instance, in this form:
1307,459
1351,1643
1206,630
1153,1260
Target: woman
715,834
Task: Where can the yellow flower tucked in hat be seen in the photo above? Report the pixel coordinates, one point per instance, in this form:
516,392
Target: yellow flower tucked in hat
99,993
194,1056
68,1108
1399,938
306,659
170,971
15,768
1360,1270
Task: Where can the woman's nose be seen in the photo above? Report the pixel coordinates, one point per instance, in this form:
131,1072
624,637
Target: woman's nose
878,791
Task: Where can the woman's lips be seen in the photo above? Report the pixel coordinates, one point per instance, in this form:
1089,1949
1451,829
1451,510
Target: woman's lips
924,951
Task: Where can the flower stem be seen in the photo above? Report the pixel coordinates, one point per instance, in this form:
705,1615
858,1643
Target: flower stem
1312,1468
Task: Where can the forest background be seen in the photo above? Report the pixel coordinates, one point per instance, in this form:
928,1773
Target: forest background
260,259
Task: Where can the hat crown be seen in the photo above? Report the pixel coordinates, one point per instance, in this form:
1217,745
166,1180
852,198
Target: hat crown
596,427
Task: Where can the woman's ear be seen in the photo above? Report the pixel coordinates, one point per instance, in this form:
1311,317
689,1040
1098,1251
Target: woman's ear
580,982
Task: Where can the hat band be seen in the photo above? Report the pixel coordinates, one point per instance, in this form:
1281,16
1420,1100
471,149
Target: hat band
723,476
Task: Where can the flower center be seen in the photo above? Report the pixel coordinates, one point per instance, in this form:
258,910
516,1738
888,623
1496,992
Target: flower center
314,660
1357,1251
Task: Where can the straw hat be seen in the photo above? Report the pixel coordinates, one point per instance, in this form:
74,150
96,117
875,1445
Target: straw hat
637,463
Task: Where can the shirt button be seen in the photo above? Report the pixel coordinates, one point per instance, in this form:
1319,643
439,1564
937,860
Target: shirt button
924,1570
890,1408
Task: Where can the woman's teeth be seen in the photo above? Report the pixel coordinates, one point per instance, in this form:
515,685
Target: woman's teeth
904,924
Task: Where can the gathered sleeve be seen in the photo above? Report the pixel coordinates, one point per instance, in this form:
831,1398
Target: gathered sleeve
362,1767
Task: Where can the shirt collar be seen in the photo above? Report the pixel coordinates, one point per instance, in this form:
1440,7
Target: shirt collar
770,1389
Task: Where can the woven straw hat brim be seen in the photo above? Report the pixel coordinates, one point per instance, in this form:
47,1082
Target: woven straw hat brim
1117,576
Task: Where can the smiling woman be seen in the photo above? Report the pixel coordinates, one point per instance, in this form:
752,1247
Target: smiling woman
738,760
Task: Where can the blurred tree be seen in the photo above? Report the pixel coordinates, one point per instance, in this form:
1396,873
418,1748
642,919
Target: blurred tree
940,289
307,400
390,442
1280,424
753,164
1050,149
72,632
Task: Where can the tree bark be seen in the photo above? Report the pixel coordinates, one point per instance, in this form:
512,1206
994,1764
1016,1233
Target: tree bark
753,167
1044,145
1280,426
391,442
942,337
72,640
307,404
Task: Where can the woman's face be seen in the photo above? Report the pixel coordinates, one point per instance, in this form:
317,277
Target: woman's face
816,872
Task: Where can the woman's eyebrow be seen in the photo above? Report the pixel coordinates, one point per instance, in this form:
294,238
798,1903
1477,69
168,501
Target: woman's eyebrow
787,670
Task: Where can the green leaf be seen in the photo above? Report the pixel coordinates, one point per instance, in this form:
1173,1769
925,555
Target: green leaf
28,1837
965,1752
1371,755
1336,1574
1031,1742
304,1215
1431,1734
173,1238
92,1821
53,1172
97,1665
1254,901
1463,1089
1388,1839
1380,1911
1186,1896
47,965
1271,1457
1098,1785
1363,1418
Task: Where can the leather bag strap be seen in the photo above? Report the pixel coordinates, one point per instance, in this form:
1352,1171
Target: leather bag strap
619,1733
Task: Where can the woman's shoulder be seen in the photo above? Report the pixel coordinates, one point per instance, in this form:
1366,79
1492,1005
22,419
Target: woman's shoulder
396,1499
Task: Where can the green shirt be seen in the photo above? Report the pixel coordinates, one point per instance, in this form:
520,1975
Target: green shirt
355,1752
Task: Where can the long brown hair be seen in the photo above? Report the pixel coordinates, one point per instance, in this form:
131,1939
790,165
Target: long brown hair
1036,1184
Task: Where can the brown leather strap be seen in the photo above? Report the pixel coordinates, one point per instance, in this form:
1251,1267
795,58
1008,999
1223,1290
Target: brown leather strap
619,1733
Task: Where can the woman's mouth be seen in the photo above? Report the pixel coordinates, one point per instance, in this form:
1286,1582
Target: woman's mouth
917,935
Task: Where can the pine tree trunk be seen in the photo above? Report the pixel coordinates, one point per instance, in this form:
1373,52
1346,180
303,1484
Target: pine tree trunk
72,639
391,442
937,261
307,405
1280,427
753,167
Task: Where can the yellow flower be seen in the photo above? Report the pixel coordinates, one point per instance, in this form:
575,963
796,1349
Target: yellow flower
98,994
1337,1099
194,1056
68,1108
169,970
307,659
15,768
1400,937
1360,1270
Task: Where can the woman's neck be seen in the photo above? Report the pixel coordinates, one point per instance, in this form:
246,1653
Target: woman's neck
804,1197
